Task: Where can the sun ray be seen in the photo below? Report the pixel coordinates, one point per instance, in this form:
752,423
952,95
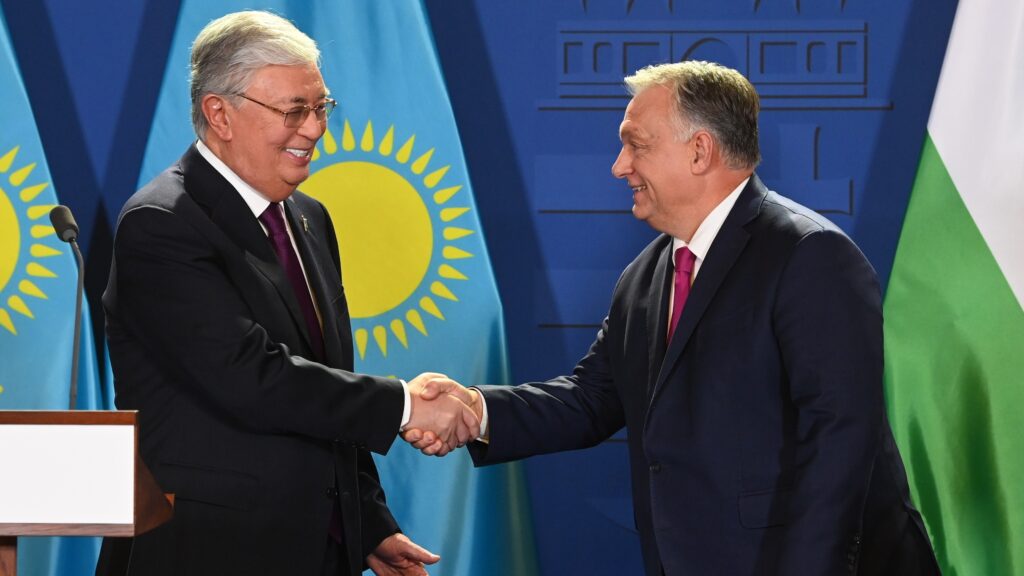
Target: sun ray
5,321
361,338
434,177
422,162
388,142
41,231
450,272
38,211
439,289
449,214
398,329
444,195
8,159
454,233
29,288
453,253
330,144
21,174
430,307
29,193
366,144
406,150
19,306
39,271
380,335
416,320
348,141
43,251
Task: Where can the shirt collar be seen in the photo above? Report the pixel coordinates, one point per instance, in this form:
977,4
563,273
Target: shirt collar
253,199
708,229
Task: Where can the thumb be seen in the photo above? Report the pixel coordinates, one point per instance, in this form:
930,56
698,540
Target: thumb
417,553
435,387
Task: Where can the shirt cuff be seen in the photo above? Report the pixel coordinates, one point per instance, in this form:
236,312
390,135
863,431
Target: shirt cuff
407,408
484,436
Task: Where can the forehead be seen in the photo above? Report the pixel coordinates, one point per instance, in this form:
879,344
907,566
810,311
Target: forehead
648,112
298,84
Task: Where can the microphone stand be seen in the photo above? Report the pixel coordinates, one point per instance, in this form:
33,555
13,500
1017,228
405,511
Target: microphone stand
78,323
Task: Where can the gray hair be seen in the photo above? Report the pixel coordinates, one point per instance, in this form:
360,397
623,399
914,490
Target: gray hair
709,97
231,49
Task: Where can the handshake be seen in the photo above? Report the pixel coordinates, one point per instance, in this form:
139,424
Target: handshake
444,416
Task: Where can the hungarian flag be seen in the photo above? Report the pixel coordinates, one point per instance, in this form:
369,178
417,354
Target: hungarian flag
954,322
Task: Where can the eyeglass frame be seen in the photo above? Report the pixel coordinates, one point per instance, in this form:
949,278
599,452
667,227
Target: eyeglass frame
303,111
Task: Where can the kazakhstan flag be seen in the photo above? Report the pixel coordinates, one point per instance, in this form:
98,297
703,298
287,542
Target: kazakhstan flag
421,293
37,302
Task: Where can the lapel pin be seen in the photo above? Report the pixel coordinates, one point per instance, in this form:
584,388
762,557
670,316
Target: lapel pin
305,223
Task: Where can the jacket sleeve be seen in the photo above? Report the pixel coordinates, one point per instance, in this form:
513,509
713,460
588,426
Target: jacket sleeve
565,413
828,321
171,290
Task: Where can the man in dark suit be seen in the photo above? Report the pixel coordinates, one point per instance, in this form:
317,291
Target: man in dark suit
742,352
229,332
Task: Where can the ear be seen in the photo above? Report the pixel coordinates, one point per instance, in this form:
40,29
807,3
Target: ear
216,110
703,148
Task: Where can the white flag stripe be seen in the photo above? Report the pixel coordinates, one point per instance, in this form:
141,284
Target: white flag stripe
977,124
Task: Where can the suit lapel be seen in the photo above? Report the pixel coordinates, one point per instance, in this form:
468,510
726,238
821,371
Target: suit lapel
657,317
229,211
726,248
307,238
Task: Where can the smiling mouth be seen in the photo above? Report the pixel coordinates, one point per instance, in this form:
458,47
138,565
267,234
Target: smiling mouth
297,152
638,188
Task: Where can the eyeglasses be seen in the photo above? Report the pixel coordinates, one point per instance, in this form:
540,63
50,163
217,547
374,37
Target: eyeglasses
296,116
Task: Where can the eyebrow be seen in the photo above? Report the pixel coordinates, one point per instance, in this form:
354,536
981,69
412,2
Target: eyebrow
302,100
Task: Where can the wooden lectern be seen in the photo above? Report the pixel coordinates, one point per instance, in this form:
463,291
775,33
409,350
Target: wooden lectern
73,474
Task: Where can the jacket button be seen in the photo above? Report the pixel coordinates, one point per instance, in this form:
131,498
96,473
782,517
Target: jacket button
332,492
655,468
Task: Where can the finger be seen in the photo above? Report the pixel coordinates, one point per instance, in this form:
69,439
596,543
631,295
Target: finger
427,439
433,449
412,436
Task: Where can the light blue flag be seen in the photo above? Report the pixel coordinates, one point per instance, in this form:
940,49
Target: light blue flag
38,278
417,276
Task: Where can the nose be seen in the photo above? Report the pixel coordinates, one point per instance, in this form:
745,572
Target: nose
623,165
312,128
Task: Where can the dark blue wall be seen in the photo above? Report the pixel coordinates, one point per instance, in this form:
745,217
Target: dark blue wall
535,84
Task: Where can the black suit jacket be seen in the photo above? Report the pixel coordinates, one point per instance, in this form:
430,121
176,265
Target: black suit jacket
758,439
207,341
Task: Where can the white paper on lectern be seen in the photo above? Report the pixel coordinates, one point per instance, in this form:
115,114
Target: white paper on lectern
67,474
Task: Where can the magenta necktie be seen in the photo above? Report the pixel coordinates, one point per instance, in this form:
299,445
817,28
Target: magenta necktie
273,219
684,269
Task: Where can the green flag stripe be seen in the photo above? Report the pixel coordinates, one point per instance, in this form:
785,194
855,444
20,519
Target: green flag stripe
954,338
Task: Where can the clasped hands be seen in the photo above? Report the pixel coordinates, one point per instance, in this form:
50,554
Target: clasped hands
444,416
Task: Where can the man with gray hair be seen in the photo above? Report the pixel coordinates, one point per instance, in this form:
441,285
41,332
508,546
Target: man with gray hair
229,332
743,354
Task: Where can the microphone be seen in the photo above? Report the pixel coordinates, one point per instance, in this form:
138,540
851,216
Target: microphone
67,230
64,223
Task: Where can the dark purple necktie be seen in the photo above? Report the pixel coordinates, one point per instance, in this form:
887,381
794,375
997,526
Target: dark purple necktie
273,219
684,269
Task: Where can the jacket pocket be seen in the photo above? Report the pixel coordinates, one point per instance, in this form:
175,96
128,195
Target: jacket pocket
210,485
765,509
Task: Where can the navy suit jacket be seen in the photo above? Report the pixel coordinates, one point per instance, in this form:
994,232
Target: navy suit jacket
208,342
758,439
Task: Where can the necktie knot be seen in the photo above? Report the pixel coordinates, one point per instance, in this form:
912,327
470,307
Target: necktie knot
273,219
685,261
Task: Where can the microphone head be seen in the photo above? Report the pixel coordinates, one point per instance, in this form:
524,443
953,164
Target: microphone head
64,223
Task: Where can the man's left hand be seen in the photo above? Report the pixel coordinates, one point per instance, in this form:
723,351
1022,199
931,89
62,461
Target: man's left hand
399,556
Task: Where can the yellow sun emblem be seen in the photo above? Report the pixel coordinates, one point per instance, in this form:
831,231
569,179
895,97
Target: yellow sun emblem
396,232
20,258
